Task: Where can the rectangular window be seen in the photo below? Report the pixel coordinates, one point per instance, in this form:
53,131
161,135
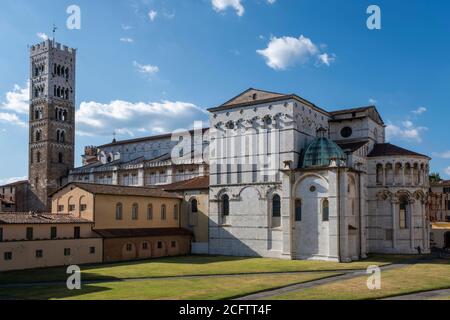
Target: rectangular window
173,244
76,232
129,247
175,212
29,233
39,254
71,207
92,250
145,246
159,245
7,256
53,233
389,235
83,207
60,208
67,252
1,234
448,205
298,210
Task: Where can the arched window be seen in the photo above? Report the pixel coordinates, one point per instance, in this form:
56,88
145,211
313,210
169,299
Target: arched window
119,209
225,205
163,212
298,210
38,157
38,135
193,215
403,214
325,210
62,137
58,135
135,211
276,211
60,157
175,212
150,212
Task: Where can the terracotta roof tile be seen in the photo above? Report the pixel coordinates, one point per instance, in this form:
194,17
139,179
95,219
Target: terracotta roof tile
122,190
44,218
149,232
192,184
387,149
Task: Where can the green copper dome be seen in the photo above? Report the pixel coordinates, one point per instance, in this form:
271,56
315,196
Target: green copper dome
320,152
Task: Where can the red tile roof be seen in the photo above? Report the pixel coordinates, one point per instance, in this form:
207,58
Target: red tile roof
44,218
387,149
149,232
192,184
107,189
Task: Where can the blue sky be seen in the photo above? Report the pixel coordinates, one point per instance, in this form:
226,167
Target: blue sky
152,66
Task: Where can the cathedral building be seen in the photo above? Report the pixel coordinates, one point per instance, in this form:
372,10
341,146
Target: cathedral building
274,176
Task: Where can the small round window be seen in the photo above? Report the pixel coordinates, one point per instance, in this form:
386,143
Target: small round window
312,189
346,132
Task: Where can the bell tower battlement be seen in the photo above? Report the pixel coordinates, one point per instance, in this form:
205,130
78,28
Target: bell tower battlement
52,119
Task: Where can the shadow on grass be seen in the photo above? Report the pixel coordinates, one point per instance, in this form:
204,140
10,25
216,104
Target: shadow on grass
53,292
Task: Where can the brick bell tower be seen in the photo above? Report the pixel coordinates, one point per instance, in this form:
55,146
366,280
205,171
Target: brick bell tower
52,120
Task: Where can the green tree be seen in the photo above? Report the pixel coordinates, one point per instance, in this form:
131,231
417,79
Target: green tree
435,177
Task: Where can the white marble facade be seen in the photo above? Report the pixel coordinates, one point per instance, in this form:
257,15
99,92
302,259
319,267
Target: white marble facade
337,212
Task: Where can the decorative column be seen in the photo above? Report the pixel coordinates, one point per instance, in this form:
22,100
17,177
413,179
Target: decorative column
424,227
411,222
115,177
141,177
394,206
403,174
384,174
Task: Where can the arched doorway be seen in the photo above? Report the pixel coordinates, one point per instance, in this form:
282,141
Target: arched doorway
447,239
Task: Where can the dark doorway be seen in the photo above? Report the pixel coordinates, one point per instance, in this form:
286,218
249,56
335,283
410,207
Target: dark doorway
447,239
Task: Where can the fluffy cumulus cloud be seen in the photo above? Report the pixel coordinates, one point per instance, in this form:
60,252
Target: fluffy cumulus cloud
15,106
127,118
223,5
406,130
284,52
271,1
4,181
146,68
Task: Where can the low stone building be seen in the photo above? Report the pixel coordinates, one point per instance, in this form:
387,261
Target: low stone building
135,222
30,241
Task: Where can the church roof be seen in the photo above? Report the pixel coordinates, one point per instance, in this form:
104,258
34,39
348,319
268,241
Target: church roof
352,146
355,113
44,218
320,152
106,189
256,96
149,232
192,184
387,149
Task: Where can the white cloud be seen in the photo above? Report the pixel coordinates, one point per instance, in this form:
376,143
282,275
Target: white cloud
285,52
372,101
146,68
12,180
223,5
271,1
17,100
405,131
447,171
42,35
127,40
152,15
127,118
444,155
12,118
420,110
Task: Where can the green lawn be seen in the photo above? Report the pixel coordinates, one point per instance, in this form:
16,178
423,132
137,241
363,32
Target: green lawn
172,289
190,265
433,275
